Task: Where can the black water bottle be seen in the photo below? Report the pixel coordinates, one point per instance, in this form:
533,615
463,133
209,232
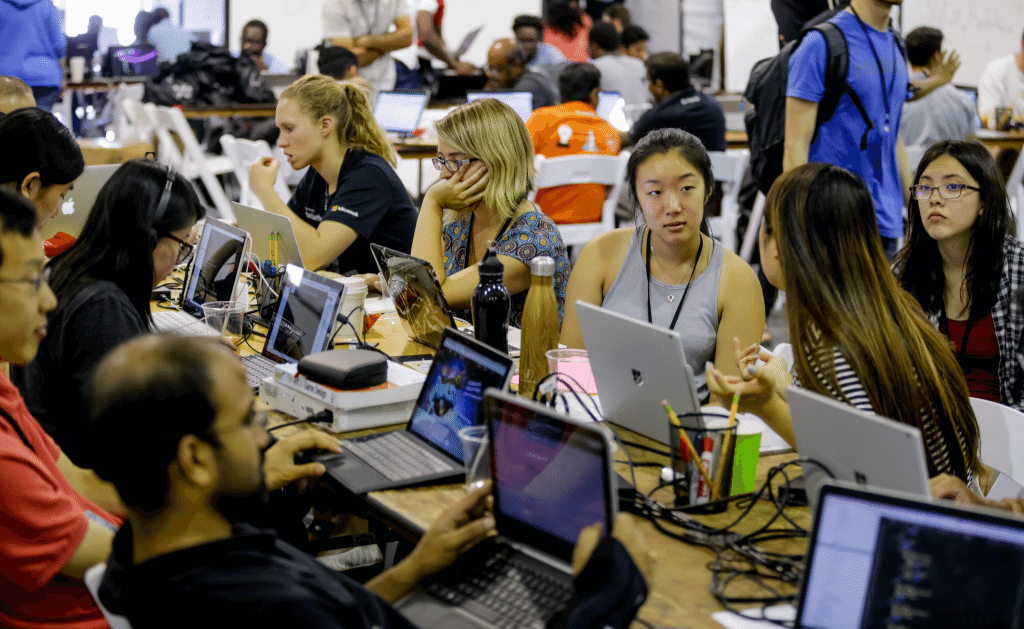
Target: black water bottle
491,304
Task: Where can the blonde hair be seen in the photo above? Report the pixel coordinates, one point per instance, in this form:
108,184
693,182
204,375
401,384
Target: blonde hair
492,132
320,96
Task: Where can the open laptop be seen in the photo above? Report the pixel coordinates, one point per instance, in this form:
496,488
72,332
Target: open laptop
76,207
520,102
303,323
429,449
636,365
855,445
419,301
466,42
552,477
220,256
884,559
606,103
261,225
134,60
399,111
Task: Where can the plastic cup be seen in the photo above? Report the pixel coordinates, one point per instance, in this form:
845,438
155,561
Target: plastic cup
746,457
76,65
352,308
476,455
226,317
573,363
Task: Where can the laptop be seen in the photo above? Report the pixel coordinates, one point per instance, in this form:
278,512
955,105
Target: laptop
135,60
76,207
220,255
855,446
606,103
429,449
419,301
303,323
399,111
466,42
884,559
552,477
636,365
261,225
520,102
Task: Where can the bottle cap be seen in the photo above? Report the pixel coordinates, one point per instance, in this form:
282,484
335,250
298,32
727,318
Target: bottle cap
542,265
491,267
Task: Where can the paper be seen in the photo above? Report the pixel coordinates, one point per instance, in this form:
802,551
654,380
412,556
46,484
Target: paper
775,612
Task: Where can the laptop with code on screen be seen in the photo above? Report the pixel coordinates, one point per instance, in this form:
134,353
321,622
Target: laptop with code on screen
399,111
520,102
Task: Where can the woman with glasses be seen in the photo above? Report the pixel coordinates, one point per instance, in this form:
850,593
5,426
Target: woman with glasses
141,226
965,267
351,195
485,156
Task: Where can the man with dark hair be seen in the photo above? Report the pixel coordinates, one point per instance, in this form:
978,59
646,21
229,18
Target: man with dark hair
529,30
1002,87
947,113
573,128
507,72
634,41
679,105
619,73
182,550
254,44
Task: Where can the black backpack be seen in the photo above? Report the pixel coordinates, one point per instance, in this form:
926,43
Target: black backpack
766,93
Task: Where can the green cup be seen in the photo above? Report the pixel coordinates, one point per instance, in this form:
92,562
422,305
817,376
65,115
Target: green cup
748,451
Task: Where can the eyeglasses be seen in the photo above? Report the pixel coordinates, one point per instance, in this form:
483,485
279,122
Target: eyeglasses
451,164
922,192
44,278
184,248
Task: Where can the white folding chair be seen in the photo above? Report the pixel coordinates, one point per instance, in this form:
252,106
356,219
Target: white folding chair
243,152
1002,437
608,170
753,227
728,168
93,577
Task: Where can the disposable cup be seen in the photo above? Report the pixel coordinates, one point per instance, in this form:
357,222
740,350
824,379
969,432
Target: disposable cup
573,363
226,317
476,455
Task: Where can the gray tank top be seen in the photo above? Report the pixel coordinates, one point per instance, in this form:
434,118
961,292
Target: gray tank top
698,321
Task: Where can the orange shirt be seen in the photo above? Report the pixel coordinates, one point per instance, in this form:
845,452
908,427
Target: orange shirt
572,129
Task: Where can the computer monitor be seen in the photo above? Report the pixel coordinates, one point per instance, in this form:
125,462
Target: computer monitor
520,102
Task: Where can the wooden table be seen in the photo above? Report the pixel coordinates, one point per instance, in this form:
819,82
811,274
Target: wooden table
1001,139
248,110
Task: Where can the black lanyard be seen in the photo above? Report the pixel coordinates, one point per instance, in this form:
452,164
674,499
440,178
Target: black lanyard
647,264
881,72
469,237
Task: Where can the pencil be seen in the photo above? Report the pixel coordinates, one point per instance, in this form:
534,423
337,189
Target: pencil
672,417
725,455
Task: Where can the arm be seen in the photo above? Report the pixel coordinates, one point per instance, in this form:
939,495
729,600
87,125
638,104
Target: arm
587,283
91,486
397,39
738,291
364,56
279,465
952,488
95,548
906,177
434,43
801,117
940,74
759,395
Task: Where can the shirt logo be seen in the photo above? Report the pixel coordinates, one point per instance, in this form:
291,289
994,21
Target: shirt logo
338,208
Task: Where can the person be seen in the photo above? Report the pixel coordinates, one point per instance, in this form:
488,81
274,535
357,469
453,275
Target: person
485,157
106,36
634,41
134,236
964,266
168,38
540,56
428,17
573,128
618,16
793,15
183,547
34,47
47,163
679,105
945,114
254,44
619,73
1002,87
566,27
351,196
507,71
667,270
14,94
857,336
364,27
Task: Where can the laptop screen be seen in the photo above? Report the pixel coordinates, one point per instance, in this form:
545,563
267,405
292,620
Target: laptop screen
419,300
306,311
399,112
453,392
877,560
218,260
520,102
138,60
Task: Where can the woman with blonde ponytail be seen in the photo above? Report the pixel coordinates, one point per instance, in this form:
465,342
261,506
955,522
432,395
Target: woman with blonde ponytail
351,195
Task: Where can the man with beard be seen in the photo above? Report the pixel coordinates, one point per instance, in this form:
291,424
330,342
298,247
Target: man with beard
184,556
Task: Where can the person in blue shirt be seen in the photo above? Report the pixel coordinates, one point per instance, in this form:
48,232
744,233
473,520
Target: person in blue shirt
34,47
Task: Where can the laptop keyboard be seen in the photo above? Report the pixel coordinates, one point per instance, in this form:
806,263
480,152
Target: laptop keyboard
519,591
397,456
257,368
181,323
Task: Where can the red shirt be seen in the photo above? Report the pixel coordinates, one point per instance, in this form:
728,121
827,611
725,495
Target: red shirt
575,48
980,361
43,520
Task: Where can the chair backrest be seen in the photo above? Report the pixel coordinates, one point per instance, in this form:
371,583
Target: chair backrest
247,152
729,167
93,577
1002,437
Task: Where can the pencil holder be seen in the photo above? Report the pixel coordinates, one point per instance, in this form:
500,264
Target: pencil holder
708,435
266,295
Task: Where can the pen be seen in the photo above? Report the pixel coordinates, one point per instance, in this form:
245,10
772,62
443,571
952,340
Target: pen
672,417
725,455
704,464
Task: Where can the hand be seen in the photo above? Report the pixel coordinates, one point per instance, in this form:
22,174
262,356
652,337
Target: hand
263,174
464,190
372,281
952,488
625,531
459,529
363,41
754,393
464,68
279,466
947,65
774,368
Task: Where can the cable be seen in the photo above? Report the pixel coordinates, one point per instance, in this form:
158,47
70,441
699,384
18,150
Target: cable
323,416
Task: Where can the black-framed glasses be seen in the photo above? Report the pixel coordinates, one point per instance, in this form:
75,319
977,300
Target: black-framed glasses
37,283
452,165
922,192
184,249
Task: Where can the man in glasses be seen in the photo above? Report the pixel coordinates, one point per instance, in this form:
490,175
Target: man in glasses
507,72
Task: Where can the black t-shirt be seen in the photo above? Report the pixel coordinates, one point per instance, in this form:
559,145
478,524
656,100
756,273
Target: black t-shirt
370,199
688,110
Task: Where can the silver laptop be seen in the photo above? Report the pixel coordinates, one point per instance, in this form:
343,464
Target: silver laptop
636,365
520,102
855,446
466,42
552,477
262,226
76,207
607,102
399,111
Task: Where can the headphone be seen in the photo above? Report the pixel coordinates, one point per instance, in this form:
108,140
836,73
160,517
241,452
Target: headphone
165,200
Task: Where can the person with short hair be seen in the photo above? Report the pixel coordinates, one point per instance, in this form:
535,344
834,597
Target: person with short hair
507,72
679,105
947,113
254,44
634,41
619,73
528,30
365,28
1002,86
565,27
14,94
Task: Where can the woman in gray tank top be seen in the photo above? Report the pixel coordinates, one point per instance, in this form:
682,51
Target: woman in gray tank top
668,271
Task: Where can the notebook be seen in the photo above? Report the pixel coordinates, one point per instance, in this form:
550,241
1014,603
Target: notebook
636,365
417,294
520,102
79,201
428,450
855,446
552,477
261,225
399,111
303,323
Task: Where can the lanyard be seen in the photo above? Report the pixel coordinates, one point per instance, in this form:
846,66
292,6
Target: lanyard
881,72
469,236
647,264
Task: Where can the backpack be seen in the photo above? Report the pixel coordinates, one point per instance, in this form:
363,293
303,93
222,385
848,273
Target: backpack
766,92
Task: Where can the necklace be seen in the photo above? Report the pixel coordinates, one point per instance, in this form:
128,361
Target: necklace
469,237
647,264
